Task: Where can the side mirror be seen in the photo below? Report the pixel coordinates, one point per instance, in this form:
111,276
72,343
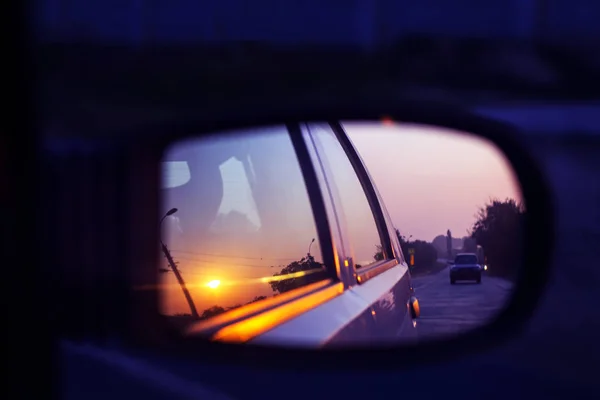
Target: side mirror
450,262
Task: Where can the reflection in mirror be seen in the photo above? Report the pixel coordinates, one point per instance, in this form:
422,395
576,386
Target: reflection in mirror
408,233
244,230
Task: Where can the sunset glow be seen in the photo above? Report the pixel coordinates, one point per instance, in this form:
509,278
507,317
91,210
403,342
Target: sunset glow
214,284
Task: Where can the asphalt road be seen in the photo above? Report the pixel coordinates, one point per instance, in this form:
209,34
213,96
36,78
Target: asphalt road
451,309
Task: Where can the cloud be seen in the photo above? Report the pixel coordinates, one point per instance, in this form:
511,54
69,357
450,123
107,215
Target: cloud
177,223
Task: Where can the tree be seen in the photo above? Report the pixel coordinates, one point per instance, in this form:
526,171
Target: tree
498,229
305,264
440,244
425,253
403,245
379,253
256,298
469,245
212,311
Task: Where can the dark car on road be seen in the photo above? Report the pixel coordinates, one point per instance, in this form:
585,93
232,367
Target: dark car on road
465,267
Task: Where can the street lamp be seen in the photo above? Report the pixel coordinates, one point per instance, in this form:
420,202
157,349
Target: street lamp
311,242
168,214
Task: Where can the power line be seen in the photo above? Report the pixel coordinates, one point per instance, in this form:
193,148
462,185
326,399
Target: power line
230,256
229,264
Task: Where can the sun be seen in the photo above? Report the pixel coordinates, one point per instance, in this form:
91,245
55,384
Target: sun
214,284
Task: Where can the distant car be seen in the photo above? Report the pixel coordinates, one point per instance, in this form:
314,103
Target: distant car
465,267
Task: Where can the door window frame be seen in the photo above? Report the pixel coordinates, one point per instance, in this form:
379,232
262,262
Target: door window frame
390,259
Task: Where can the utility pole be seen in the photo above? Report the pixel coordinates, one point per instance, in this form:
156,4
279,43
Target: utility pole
449,244
167,254
186,293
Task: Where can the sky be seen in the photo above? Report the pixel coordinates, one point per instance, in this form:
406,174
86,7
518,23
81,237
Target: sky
432,179
246,214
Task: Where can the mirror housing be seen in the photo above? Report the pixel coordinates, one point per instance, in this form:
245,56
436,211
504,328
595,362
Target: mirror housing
134,311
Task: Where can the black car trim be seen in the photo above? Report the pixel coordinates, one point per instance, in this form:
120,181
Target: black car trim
343,270
315,196
372,198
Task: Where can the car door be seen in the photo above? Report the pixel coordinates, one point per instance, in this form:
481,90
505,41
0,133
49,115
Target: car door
266,252
376,270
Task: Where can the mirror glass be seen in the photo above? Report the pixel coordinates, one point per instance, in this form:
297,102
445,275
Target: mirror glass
337,234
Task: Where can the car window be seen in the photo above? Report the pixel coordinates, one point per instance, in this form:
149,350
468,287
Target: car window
244,228
465,259
356,211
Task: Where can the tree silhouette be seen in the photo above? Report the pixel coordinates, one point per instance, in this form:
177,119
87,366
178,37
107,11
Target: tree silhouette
469,245
439,242
378,256
425,253
401,238
404,243
498,229
307,263
256,298
212,311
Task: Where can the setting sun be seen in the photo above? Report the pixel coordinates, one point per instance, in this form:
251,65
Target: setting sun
213,284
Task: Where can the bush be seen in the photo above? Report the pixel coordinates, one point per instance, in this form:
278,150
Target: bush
498,229
425,253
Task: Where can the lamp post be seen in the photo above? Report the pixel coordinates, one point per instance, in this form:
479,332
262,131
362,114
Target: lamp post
167,254
309,246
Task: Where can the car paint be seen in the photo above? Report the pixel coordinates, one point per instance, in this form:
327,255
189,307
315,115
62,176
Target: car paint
376,310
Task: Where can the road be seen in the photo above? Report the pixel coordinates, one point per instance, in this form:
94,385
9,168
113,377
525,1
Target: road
450,309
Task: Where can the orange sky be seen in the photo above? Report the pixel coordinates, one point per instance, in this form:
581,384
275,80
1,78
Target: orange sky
431,180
